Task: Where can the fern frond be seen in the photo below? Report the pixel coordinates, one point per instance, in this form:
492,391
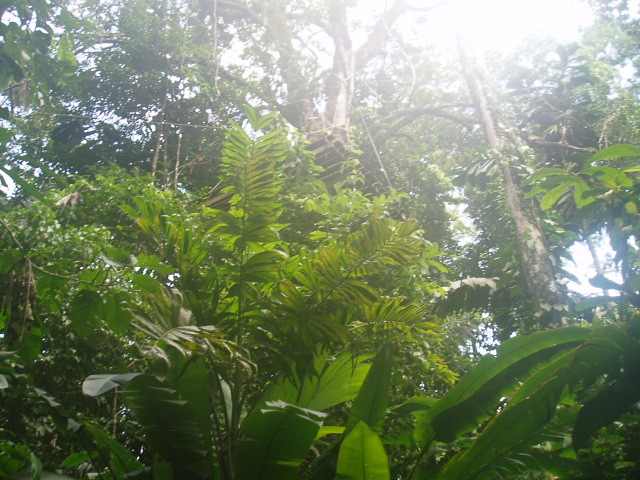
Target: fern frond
376,243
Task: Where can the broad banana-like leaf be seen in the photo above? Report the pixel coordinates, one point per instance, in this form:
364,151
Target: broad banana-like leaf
192,383
170,426
606,407
276,440
336,382
539,460
622,360
370,406
369,409
362,456
95,385
512,426
477,394
534,404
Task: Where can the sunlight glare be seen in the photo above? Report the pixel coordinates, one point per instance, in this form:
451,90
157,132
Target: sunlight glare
500,25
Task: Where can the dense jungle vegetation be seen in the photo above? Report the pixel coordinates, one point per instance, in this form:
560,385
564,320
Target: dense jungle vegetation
248,240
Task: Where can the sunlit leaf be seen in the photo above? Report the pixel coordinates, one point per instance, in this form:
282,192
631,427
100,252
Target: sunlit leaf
615,151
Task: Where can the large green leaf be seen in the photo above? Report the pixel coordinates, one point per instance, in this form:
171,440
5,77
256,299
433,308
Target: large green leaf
515,424
340,382
617,355
606,407
190,376
370,406
615,151
95,385
534,404
336,382
89,308
477,394
86,309
552,196
115,313
276,440
362,456
170,426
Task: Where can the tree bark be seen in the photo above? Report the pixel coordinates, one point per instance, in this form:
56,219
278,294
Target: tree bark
536,266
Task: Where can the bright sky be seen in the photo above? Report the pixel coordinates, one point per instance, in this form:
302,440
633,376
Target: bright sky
498,25
501,24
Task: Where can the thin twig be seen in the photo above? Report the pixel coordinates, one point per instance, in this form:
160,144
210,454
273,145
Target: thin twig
13,238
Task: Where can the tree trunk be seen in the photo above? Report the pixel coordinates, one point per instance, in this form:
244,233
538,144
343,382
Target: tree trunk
537,269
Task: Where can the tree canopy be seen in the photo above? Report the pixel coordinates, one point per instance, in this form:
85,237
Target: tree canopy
295,240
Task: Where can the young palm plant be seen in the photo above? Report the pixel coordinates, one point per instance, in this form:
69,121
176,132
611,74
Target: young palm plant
243,341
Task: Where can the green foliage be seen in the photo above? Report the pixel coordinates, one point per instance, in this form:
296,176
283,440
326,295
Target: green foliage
231,333
370,406
606,194
336,382
362,456
276,440
517,394
470,401
214,295
29,52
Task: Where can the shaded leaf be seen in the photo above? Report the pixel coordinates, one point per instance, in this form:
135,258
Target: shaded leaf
276,440
477,394
370,406
170,426
121,460
362,456
336,382
606,407
95,385
262,266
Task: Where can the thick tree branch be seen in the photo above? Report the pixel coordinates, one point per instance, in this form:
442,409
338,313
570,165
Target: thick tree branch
381,31
439,110
239,8
410,115
544,143
380,34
